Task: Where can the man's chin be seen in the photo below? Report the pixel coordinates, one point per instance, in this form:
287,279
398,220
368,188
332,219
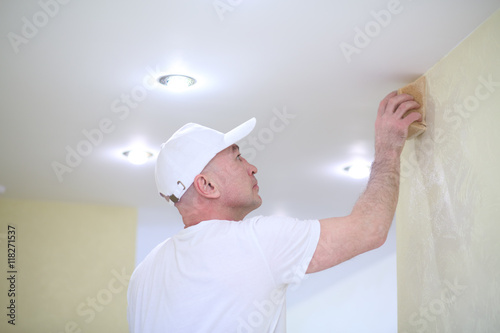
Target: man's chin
258,202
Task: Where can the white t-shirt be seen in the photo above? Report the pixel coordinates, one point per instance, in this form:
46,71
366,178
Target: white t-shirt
222,276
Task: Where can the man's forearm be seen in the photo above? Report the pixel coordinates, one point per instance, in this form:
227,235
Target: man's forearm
377,204
366,228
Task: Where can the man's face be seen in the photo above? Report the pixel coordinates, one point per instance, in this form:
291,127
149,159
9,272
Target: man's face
235,179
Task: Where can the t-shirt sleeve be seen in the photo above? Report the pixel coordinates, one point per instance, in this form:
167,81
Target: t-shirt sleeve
287,244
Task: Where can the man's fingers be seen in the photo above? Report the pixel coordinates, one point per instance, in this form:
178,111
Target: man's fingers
405,107
412,117
383,104
396,101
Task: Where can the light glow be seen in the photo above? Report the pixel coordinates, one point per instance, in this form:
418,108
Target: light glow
137,156
177,82
358,170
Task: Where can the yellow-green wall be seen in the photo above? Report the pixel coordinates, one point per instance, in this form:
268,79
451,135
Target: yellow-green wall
72,265
448,218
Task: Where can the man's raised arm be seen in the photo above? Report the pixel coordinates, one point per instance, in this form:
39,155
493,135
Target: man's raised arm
366,228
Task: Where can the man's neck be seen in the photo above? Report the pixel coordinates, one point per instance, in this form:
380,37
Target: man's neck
193,219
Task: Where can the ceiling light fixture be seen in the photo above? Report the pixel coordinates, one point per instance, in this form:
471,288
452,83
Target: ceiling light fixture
358,170
177,82
137,156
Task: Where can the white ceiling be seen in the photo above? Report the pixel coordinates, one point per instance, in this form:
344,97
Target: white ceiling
76,69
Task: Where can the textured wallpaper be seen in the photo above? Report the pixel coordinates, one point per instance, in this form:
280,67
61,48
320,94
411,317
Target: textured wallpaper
448,217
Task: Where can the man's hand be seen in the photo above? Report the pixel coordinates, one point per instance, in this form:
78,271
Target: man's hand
366,228
391,126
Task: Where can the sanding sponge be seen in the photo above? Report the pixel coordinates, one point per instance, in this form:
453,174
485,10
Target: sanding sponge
417,90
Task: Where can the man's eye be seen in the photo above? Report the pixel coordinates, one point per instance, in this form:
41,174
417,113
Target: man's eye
238,157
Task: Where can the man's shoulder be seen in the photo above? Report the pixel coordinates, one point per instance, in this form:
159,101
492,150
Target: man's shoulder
248,222
277,219
152,255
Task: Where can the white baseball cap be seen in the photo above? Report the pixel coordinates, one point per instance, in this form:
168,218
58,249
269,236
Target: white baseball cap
187,153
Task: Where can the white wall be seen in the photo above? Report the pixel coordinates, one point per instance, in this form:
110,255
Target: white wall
359,295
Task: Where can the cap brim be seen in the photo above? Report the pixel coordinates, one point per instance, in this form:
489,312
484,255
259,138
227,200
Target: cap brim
238,133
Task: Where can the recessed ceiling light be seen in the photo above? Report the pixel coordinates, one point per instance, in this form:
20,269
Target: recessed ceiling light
358,170
137,156
177,82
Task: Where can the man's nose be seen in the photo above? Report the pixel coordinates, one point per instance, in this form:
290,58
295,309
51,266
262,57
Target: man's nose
252,169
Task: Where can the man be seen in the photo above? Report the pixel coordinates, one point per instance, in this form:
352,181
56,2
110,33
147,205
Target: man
225,274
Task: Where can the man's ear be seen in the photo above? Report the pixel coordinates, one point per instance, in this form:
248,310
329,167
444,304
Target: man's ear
206,187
